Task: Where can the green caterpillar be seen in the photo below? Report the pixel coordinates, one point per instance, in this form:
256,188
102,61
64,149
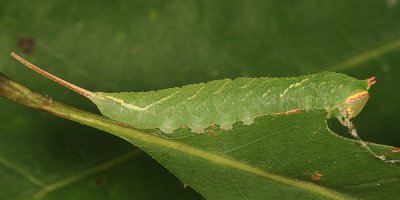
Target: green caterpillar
224,102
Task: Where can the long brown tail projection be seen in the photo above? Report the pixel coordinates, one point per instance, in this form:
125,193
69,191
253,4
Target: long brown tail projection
56,79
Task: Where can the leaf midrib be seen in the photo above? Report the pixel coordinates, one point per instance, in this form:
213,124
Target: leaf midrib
129,133
23,95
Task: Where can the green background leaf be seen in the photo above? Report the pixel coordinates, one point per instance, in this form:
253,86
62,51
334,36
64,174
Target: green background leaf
140,46
279,156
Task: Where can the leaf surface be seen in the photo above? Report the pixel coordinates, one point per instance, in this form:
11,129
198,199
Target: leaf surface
305,160
141,46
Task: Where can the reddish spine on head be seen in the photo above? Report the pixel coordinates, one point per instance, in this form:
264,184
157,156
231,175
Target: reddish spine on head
371,81
60,81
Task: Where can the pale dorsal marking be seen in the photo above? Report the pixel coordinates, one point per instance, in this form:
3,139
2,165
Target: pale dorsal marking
247,84
222,87
195,94
294,85
138,108
265,94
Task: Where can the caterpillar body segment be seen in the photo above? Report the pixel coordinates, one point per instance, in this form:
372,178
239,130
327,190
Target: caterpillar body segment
224,102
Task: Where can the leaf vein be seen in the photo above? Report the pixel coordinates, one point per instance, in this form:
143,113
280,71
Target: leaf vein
366,55
21,171
72,179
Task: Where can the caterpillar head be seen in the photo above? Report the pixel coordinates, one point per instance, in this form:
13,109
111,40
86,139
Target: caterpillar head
356,98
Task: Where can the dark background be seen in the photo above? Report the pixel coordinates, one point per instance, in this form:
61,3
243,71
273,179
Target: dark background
149,45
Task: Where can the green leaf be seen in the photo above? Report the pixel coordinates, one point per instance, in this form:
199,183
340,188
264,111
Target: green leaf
278,154
110,176
148,45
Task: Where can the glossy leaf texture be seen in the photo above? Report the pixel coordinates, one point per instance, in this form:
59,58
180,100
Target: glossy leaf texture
142,46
